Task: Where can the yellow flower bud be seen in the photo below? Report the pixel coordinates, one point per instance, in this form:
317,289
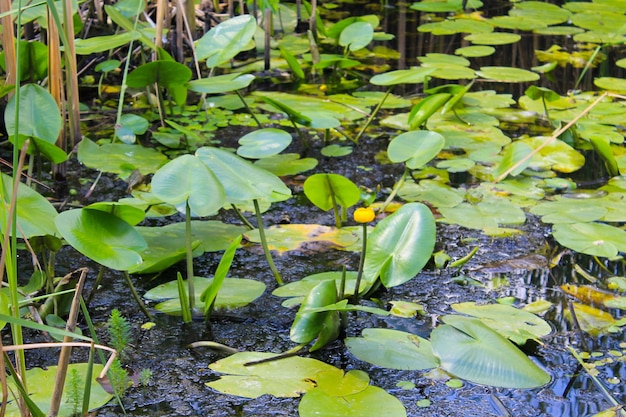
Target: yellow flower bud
364,215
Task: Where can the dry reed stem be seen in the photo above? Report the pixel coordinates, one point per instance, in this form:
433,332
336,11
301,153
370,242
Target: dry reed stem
558,133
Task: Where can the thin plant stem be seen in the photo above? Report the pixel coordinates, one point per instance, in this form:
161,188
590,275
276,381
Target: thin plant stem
371,118
189,250
266,250
136,296
396,187
248,108
359,275
242,218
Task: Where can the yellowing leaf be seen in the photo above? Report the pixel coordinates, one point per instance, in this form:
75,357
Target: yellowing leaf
588,294
306,237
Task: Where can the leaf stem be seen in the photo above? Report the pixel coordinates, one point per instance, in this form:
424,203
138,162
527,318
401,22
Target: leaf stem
266,250
189,250
359,275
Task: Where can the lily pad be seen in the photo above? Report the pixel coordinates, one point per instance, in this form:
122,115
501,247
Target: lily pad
507,74
415,148
226,40
234,293
286,164
475,51
166,244
473,351
326,400
310,237
493,38
263,143
514,324
393,349
118,158
41,383
289,377
596,239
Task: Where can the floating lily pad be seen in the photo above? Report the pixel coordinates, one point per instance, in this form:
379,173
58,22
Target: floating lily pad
514,324
393,349
557,155
493,38
234,293
592,320
336,151
488,213
475,51
611,83
41,383
569,210
412,76
595,239
433,192
507,74
308,237
436,6
118,158
289,377
451,27
286,164
263,143
415,148
330,398
166,244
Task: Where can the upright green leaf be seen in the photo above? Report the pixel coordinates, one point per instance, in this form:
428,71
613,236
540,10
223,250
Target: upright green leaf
357,36
415,148
400,245
241,180
328,190
226,40
102,237
187,178
473,351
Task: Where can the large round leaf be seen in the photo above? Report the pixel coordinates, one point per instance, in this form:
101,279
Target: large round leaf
357,36
242,181
164,73
393,349
416,148
226,40
400,245
39,114
35,214
263,143
596,239
473,351
187,178
103,237
326,190
221,83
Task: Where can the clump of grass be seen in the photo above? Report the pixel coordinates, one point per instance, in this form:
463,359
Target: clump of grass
145,376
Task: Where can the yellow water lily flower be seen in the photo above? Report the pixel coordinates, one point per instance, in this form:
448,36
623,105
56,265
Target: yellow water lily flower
364,215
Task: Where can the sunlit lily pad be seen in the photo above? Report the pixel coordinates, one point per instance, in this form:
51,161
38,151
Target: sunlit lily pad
234,293
309,237
286,164
435,6
433,192
393,349
299,289
475,51
263,143
507,74
593,320
330,399
289,377
596,239
335,150
488,213
557,155
514,324
611,83
415,148
450,27
568,210
41,383
493,38
412,76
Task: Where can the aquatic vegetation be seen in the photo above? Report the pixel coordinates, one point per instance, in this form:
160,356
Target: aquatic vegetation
517,153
